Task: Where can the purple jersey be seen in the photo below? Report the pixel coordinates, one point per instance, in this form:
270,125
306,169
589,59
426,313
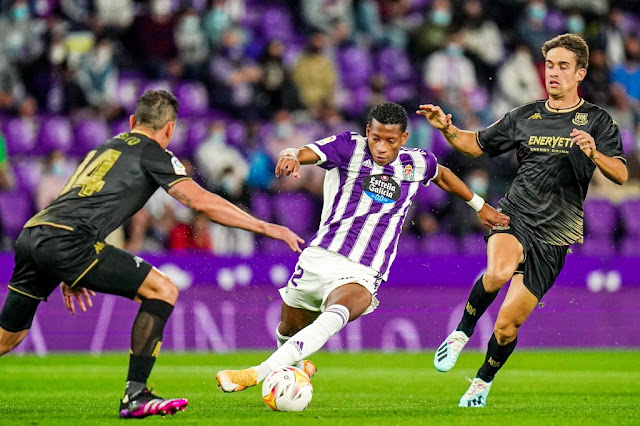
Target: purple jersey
365,204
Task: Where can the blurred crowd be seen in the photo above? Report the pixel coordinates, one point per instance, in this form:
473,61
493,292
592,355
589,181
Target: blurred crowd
257,76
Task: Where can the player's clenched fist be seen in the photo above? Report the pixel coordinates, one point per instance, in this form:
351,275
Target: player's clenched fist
288,163
436,117
585,141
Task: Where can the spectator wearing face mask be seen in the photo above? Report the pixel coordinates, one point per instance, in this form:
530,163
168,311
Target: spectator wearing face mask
432,34
532,28
626,76
97,75
55,172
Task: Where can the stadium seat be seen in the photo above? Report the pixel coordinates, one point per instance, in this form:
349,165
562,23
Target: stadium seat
55,134
154,85
394,64
120,126
276,23
193,98
630,215
630,246
21,135
600,217
262,206
355,66
296,210
236,133
16,209
409,245
354,101
439,244
127,92
473,244
197,132
599,246
88,134
27,172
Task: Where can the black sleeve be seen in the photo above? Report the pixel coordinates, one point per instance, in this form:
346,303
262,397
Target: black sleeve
499,137
607,137
163,167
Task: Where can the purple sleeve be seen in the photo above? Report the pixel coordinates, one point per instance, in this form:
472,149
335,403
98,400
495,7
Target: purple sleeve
333,151
431,169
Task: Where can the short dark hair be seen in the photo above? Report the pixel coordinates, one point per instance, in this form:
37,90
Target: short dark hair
389,113
572,42
156,108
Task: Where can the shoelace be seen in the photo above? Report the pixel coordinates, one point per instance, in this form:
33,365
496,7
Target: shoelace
475,386
456,344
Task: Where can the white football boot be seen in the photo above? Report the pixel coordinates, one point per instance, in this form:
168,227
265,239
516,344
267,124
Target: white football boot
447,354
477,394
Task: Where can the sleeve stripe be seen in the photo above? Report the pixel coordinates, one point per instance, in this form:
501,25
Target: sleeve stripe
178,180
478,141
314,148
619,157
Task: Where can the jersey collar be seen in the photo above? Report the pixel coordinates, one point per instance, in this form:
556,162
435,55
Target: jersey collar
142,133
561,110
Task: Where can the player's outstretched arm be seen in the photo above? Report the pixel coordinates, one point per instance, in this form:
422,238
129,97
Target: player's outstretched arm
461,140
613,168
290,159
223,212
448,181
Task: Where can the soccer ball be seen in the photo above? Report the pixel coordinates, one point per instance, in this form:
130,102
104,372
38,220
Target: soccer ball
287,389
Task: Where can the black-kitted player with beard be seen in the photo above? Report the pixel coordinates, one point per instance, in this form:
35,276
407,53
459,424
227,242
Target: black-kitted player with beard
559,143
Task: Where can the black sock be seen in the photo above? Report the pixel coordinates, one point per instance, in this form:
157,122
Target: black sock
479,301
496,357
146,339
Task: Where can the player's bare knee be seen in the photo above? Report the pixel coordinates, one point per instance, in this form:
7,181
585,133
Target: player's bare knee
496,277
167,291
505,332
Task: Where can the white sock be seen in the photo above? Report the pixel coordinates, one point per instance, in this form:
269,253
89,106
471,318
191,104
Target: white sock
282,339
307,341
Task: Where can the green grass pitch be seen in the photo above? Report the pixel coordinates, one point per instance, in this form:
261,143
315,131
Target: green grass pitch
535,387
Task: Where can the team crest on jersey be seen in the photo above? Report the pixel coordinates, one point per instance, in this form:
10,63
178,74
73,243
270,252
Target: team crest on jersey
178,167
381,188
408,172
580,119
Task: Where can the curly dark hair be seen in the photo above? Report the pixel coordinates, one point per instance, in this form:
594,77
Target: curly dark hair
389,113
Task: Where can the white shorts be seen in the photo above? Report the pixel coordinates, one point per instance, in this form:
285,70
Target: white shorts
319,272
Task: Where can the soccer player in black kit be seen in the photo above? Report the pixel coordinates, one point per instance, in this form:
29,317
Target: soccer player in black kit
65,242
559,143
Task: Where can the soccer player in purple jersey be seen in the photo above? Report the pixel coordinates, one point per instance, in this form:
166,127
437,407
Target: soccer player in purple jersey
369,185
559,142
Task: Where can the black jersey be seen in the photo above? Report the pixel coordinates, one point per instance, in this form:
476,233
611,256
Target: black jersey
553,174
112,183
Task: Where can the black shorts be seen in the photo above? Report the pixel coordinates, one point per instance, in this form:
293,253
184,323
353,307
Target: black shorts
46,256
542,262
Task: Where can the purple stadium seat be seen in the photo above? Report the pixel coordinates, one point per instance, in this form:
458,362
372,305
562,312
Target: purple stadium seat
236,133
20,135
154,85
262,206
630,246
555,21
598,246
355,66
27,173
276,22
89,134
630,214
439,145
16,209
55,134
399,92
121,126
473,244
127,92
439,244
409,245
178,144
193,98
628,140
479,98
312,129
600,217
394,64
198,131
354,101
295,210
430,197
